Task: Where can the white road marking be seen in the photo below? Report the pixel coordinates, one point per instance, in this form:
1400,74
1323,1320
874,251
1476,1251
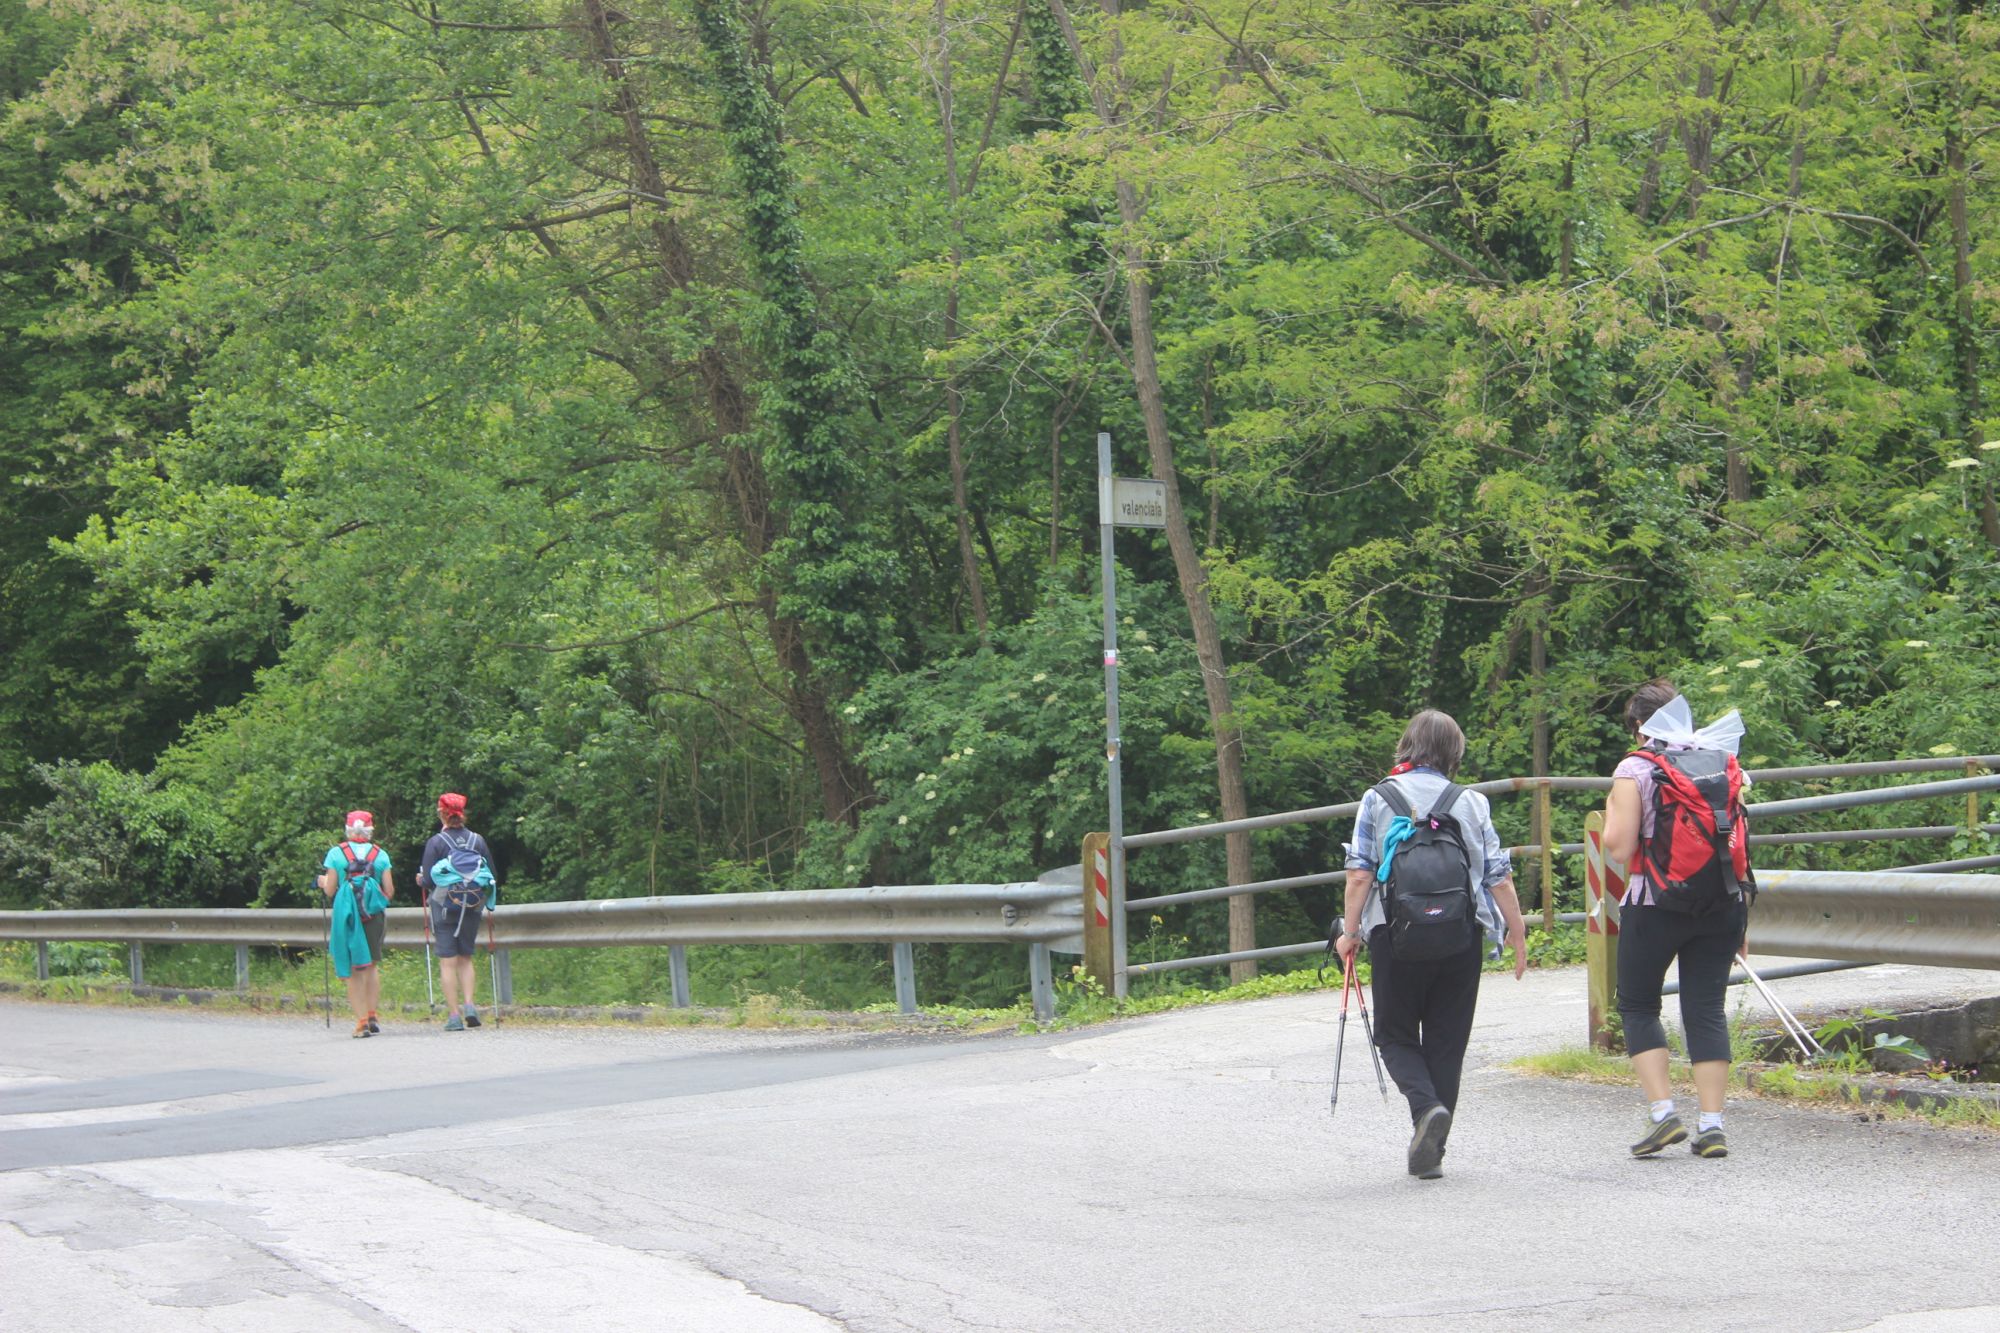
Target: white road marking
411,1253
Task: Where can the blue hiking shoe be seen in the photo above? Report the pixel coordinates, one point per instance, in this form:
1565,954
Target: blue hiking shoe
454,1024
471,1016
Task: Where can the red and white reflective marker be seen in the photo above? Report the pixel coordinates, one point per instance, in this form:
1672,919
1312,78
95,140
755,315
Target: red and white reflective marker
1100,886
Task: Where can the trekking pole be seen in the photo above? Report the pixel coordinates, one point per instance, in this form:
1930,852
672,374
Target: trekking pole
430,995
1808,1045
1368,1030
1786,1018
326,950
492,966
1340,1036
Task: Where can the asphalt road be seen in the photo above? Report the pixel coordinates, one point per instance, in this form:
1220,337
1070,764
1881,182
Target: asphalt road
170,1170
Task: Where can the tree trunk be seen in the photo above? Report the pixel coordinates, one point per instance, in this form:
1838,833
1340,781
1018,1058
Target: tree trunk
844,787
975,586
1193,578
1965,328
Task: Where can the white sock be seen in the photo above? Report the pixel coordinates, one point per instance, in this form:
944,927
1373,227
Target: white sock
1709,1120
1662,1109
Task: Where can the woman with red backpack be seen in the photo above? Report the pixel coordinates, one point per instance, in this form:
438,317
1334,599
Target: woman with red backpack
1675,818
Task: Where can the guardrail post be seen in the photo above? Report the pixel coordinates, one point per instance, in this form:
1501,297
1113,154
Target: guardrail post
41,960
1603,886
1972,798
1042,982
503,978
1097,961
242,967
138,964
905,958
677,968
1548,872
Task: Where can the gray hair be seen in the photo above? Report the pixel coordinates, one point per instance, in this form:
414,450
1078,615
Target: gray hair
1432,740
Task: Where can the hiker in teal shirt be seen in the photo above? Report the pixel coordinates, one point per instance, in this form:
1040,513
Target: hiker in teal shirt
356,877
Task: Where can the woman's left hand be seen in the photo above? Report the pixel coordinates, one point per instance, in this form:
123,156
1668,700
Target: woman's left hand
1517,940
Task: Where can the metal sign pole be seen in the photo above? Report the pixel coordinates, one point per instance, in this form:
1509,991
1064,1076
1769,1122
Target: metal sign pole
1115,783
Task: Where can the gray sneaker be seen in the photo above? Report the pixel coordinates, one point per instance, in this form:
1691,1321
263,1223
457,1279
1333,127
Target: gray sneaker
454,1024
471,1016
1661,1134
1709,1143
1427,1144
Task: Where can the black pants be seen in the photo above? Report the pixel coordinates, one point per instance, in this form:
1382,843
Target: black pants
1423,1020
1651,937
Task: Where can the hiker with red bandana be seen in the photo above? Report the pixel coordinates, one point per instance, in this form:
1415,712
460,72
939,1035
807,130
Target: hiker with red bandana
456,874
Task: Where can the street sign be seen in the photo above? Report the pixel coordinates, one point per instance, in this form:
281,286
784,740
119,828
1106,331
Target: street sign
1133,502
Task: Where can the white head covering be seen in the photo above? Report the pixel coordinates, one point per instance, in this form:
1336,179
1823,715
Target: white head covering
1673,724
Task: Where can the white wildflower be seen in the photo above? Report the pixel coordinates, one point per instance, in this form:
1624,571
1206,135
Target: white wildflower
902,819
1039,677
1751,663
1963,463
1916,643
1944,749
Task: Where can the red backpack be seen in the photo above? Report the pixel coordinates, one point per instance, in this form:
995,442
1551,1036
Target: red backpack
1698,857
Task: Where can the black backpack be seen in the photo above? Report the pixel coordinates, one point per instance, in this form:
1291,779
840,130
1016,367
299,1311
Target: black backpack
1429,894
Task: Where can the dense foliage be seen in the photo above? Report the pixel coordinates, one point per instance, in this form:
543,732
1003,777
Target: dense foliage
673,423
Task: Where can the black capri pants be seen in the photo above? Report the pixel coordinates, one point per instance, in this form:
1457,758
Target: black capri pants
1649,938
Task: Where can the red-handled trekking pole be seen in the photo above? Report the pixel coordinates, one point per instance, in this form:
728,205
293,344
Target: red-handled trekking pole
1340,1036
1368,1031
1350,987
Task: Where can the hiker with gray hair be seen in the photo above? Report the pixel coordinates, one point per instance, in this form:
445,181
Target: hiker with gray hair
1427,883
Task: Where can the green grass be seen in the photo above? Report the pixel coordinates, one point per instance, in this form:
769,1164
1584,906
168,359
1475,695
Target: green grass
1578,1062
1784,1082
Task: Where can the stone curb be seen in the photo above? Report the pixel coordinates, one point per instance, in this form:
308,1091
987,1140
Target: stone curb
1917,1094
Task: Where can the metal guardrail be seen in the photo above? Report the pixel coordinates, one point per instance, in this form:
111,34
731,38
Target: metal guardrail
1934,920
1040,915
1969,787
1824,914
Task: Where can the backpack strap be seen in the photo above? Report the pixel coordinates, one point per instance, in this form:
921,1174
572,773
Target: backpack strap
1446,800
1393,797
356,864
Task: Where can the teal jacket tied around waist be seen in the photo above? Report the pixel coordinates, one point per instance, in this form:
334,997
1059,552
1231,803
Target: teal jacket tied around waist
349,944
